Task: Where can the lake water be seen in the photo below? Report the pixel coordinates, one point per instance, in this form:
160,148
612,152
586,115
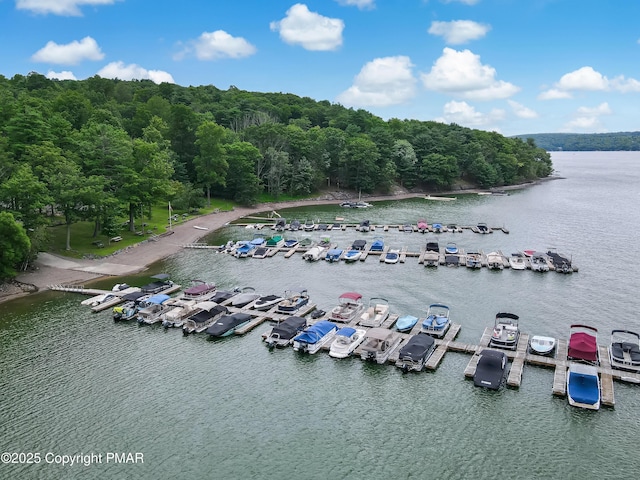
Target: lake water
72,382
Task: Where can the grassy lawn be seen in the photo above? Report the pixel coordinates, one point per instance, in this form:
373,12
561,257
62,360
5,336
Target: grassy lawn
83,243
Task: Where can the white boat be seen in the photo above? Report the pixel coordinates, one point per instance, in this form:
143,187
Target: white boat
315,253
517,262
432,254
474,260
440,199
392,256
349,307
378,344
505,331
583,386
345,341
539,262
495,261
352,255
375,314
437,322
541,345
265,302
624,350
313,338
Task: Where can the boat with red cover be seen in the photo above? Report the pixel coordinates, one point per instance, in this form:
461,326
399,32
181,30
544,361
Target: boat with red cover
583,344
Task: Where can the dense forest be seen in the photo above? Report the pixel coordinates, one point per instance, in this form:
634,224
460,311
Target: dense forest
100,149
576,142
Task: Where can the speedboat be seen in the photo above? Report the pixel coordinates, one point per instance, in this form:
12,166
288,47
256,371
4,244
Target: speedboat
275,241
260,252
378,344
432,254
349,307
376,313
437,228
333,254
406,323
482,228
228,324
516,261
561,263
314,254
346,340
314,337
453,228
365,226
266,302
495,261
358,245
291,242
199,291
407,228
423,226
282,334
154,307
377,245
309,225
437,322
451,248
583,386
280,225
352,255
540,345
490,370
294,299
294,225
243,250
539,262
474,260
392,256
206,314
505,331
415,353
624,351
583,344
244,297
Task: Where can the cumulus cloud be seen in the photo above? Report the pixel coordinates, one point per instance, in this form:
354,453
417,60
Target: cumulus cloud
217,45
132,71
380,83
521,111
461,73
69,54
309,29
459,31
64,75
588,119
588,79
361,4
59,7
464,114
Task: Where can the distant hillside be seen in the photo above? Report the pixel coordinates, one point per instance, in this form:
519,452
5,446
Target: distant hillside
585,141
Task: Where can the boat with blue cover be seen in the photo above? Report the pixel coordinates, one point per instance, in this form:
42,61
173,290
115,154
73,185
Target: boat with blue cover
314,337
583,386
333,254
406,323
244,249
437,322
346,340
377,245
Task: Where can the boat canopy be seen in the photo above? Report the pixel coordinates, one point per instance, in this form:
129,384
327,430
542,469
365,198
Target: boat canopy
158,299
133,296
379,333
161,276
200,288
346,331
208,305
355,296
316,331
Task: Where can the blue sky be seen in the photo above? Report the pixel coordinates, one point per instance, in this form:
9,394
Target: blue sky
513,66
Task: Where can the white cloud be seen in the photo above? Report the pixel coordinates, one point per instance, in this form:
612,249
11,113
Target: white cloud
462,74
459,31
69,54
588,119
521,111
602,109
554,94
133,71
588,79
625,85
216,45
309,29
59,7
380,83
64,75
466,115
361,4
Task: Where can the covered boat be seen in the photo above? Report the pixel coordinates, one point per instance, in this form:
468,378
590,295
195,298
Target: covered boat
406,323
206,313
483,228
490,370
583,386
376,313
378,344
315,253
244,297
365,226
540,345
260,252
583,344
333,255
349,307
282,334
377,245
228,324
346,340
275,241
199,290
437,228
505,331
422,226
624,350
432,254
314,337
415,353
160,284
294,299
153,308
561,263
437,322
243,250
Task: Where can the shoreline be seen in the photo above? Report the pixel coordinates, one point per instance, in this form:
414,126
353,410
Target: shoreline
52,269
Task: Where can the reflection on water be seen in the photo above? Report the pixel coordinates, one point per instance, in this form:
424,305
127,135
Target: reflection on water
72,381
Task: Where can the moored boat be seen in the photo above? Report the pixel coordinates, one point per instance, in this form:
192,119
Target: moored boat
495,261
378,344
294,299
376,313
315,253
352,255
541,345
423,226
539,262
333,254
199,291
583,386
275,241
132,303
154,307
282,334
517,262
349,307
392,256
437,322
432,254
505,331
206,313
265,302
415,353
451,248
377,245
624,350
583,344
314,337
345,341
227,325
365,226
474,260
406,323
490,370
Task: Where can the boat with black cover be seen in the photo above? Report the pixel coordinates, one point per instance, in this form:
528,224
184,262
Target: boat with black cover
206,314
282,334
160,284
228,324
415,353
490,370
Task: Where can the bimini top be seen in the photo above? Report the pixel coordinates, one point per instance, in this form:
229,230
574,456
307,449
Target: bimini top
346,331
355,296
379,333
133,296
316,331
157,299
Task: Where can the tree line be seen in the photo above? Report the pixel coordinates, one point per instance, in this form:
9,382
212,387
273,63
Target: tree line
98,149
589,142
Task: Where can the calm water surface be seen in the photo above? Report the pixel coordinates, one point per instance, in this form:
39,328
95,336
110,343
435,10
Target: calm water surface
72,382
